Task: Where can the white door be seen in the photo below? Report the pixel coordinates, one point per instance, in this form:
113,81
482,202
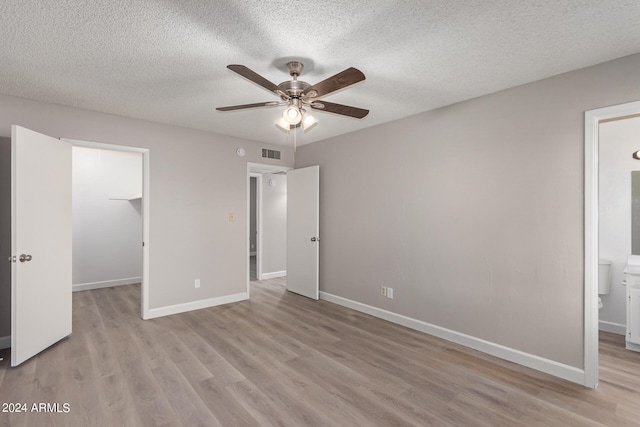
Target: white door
303,238
40,242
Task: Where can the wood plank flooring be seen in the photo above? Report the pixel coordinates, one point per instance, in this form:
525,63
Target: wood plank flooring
283,360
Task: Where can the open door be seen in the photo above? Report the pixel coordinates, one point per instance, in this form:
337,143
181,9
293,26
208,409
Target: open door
303,252
40,242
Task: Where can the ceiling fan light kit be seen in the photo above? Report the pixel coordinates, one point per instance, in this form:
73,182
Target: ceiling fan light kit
292,113
296,94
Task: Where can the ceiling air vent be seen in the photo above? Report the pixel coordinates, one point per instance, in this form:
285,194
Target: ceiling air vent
270,154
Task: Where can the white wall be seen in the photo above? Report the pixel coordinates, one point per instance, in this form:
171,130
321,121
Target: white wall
196,180
474,214
274,225
618,140
107,233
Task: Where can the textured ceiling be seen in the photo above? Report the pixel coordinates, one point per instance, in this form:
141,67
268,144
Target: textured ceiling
165,61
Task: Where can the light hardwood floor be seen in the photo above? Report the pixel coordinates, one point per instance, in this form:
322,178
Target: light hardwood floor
281,359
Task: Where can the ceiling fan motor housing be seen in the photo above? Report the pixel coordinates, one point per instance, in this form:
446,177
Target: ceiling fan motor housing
295,68
293,88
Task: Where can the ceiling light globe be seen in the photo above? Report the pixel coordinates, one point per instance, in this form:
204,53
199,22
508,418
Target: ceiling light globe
292,115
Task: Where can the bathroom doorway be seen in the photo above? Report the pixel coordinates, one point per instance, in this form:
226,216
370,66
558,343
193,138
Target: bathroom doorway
618,139
594,119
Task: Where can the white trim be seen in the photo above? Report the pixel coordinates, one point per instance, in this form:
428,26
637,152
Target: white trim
146,193
614,328
106,284
592,120
274,274
196,305
5,342
551,367
631,346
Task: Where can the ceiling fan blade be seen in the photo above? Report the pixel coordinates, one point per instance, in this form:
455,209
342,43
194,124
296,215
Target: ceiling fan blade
257,79
256,105
345,110
339,81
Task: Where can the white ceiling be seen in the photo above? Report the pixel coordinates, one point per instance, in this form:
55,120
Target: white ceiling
165,60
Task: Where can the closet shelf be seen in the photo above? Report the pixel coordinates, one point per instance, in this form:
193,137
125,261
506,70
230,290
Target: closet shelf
133,196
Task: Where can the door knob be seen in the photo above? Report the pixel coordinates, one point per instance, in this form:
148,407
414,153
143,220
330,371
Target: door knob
314,239
24,257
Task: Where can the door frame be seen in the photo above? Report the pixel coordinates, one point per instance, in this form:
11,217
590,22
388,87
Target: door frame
144,287
591,228
257,170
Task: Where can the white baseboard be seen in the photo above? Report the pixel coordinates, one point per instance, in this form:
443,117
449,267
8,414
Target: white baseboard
273,275
5,342
614,328
631,346
106,284
195,305
550,367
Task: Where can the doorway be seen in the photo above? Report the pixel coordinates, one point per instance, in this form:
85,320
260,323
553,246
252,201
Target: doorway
139,201
593,119
266,222
106,218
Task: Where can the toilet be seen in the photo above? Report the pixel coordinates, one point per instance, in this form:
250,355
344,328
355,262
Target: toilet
604,279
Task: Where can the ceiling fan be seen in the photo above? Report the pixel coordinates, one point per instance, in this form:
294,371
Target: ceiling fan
297,95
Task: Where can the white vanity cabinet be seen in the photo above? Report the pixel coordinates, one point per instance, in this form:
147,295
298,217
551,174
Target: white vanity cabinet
632,337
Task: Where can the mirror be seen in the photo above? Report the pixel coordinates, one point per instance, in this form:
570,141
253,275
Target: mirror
635,212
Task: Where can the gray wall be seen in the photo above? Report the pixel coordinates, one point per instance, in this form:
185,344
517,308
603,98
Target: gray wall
5,238
473,213
196,180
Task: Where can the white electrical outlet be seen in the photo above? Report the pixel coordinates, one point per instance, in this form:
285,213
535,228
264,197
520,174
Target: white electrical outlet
383,291
390,293
197,283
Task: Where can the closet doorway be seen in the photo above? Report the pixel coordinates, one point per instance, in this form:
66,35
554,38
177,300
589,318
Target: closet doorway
110,217
107,218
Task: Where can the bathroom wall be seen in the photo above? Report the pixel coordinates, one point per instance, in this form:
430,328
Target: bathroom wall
618,141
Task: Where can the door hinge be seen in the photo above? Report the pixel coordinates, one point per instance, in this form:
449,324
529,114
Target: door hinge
12,258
